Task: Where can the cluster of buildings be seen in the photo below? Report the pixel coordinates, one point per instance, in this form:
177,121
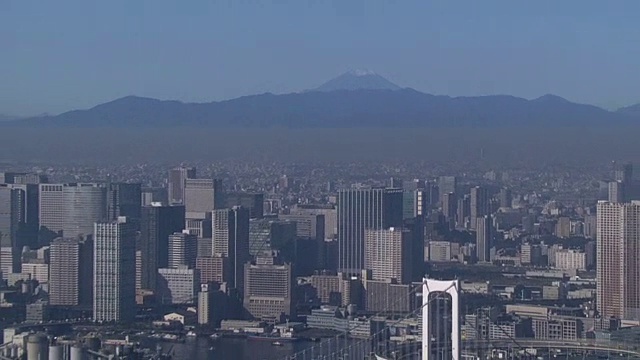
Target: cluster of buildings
105,249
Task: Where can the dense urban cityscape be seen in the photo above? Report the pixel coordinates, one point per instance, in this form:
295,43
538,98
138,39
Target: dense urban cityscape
302,253
319,180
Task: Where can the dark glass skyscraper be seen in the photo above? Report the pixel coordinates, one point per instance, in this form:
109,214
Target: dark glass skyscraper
231,239
124,199
360,210
177,178
157,223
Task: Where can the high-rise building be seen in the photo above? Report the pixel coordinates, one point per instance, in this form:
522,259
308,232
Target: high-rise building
624,174
11,221
178,286
231,239
447,184
157,223
616,191
388,254
72,208
479,204
183,250
483,238
202,196
618,268
252,201
51,207
213,269
414,203
464,211
71,272
505,198
310,228
268,288
124,199
360,210
177,178
330,217
450,208
114,267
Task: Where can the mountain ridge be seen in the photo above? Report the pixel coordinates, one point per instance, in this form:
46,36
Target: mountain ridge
357,98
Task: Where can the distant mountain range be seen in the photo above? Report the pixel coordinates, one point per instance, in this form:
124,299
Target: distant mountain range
354,99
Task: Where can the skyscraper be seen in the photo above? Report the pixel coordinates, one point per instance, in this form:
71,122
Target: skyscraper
625,173
505,198
177,178
450,208
479,204
183,250
447,184
11,221
158,222
388,254
268,288
71,262
72,208
483,238
252,201
114,267
360,210
310,228
124,199
618,268
230,236
616,191
202,196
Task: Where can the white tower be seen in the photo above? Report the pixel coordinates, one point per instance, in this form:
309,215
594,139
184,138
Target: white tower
452,288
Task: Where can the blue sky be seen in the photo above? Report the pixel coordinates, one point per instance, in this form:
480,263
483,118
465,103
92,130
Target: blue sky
60,55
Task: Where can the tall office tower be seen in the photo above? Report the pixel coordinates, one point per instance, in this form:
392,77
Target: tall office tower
268,288
432,192
414,203
415,184
616,191
177,178
360,210
388,254
178,286
483,238
202,196
231,239
71,272
200,227
617,265
590,226
213,269
450,208
479,204
71,208
22,178
252,201
464,211
330,217
51,207
183,250
309,230
114,297
505,198
157,223
124,199
624,174
447,184
11,220
396,183
84,205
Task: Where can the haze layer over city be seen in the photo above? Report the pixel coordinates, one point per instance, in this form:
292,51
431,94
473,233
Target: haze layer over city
319,180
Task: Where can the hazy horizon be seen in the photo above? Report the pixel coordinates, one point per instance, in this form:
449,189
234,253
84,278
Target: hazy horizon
74,55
